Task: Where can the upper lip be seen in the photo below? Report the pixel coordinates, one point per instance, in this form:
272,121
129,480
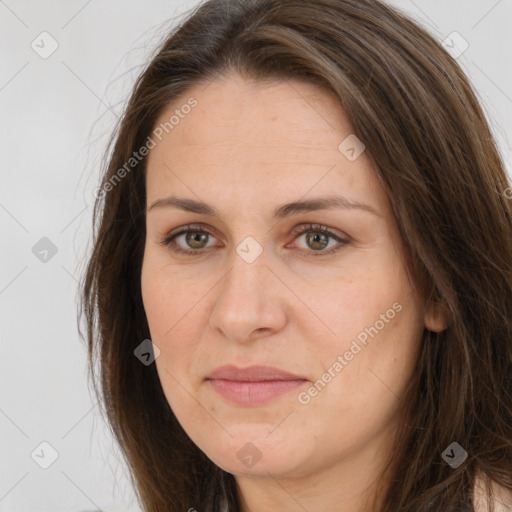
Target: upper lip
252,374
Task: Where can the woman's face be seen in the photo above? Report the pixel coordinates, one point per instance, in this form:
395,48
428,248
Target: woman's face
264,288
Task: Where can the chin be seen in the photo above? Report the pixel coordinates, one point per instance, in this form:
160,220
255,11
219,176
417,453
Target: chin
255,456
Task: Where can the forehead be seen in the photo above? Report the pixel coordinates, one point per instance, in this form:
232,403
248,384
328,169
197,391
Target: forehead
268,114
281,137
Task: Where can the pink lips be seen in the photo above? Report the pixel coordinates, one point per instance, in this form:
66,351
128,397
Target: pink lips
253,385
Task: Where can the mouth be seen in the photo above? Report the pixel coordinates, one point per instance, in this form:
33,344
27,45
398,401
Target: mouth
254,385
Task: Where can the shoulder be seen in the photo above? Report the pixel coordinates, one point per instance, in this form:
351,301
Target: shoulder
502,497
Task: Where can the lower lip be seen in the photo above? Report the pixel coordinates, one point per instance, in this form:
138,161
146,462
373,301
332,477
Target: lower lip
253,393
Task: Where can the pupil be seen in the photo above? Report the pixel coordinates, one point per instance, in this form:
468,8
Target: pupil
315,238
196,237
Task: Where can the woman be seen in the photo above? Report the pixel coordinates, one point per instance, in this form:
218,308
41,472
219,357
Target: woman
300,288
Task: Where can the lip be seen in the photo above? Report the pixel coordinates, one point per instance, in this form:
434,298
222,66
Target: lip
254,385
252,374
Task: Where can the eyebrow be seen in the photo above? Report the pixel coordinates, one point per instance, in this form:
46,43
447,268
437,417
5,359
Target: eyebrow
285,210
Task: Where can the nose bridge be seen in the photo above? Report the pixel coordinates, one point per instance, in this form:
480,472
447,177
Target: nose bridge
249,238
248,275
247,301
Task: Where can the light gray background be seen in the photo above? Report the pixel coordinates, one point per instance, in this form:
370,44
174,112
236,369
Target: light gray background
56,114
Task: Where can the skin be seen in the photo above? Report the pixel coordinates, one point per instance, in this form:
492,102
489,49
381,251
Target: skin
247,148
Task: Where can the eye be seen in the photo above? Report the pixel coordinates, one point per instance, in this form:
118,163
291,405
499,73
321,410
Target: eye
317,237
196,236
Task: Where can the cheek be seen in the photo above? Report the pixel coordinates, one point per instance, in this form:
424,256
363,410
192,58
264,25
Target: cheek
166,298
376,323
155,296
363,396
351,305
172,313
384,318
166,311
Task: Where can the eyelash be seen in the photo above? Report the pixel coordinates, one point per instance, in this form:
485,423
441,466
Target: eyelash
198,228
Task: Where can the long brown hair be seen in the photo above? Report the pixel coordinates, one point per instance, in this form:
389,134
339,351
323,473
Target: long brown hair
428,138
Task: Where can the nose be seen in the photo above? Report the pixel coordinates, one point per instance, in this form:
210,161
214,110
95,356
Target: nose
250,302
